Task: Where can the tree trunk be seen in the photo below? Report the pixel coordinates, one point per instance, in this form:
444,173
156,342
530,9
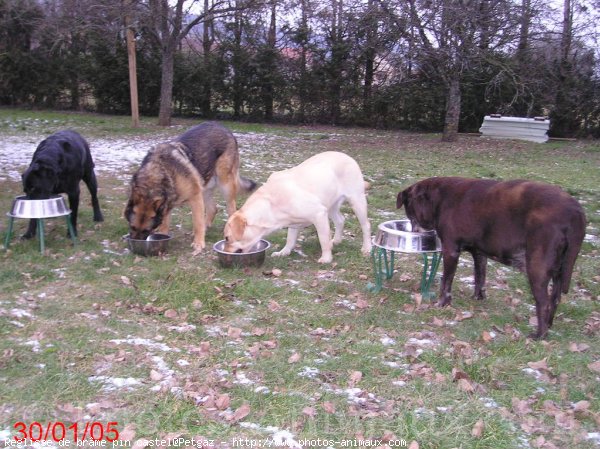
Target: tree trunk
207,41
303,87
453,100
369,61
237,66
166,86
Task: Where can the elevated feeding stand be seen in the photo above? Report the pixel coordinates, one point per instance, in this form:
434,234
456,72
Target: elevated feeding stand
395,236
39,210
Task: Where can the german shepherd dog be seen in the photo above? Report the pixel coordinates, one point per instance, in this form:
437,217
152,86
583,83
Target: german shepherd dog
538,228
186,170
59,163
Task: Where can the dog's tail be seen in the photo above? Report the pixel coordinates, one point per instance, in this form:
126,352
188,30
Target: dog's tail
574,240
247,185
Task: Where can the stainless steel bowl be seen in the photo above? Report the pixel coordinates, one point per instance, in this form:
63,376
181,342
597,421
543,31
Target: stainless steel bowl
54,206
397,235
253,258
154,245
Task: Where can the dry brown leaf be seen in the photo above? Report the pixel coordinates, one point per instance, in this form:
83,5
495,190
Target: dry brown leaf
361,304
477,431
128,433
458,374
594,366
521,407
418,299
223,401
170,313
329,407
125,280
533,321
274,306
578,347
466,386
309,411
355,378
565,420
234,332
295,357
539,365
438,322
581,407
240,413
486,337
259,331
155,375
140,444
461,316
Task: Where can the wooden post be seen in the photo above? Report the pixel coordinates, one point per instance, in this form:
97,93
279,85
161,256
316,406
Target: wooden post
133,90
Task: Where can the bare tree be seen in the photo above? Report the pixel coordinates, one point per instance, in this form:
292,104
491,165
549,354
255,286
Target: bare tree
454,36
170,25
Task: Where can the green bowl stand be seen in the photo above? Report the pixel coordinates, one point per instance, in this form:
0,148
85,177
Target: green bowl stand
40,231
383,267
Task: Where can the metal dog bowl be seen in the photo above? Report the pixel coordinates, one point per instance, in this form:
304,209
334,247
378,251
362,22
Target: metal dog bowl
397,235
55,206
154,245
253,258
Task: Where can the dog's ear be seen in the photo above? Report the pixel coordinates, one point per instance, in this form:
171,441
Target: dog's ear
401,198
237,225
128,211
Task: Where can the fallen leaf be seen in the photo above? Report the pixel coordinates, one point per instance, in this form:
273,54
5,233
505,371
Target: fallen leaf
466,386
295,357
329,407
477,431
539,365
234,332
581,407
594,366
355,378
309,411
438,322
240,413
170,313
140,444
418,299
274,306
128,433
361,304
222,401
578,347
486,337
276,272
521,407
125,280
413,445
259,331
155,375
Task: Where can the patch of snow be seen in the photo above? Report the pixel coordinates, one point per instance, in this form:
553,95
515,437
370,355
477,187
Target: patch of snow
309,372
114,383
144,342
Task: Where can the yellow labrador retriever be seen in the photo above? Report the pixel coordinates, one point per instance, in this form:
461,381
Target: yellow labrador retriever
309,194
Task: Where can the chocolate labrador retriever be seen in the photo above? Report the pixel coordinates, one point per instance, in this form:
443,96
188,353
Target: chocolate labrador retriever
59,163
537,228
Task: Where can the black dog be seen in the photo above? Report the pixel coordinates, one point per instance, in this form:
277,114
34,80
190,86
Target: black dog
58,164
537,228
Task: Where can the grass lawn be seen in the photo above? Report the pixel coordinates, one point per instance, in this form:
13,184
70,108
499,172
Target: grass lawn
293,351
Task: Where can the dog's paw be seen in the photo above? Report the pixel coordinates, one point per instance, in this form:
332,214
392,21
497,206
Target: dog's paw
325,259
198,248
281,253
